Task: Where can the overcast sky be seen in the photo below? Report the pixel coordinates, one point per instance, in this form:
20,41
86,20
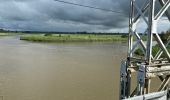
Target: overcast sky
49,15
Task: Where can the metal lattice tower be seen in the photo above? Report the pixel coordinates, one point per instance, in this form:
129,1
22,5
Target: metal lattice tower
147,65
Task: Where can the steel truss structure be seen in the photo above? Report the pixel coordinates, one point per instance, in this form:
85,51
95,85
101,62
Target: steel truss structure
148,65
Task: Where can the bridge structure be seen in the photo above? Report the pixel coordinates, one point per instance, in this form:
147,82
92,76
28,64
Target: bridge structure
148,65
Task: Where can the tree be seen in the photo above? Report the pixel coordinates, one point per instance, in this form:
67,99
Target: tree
164,35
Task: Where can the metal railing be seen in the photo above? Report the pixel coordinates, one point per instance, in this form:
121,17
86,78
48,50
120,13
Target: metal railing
151,96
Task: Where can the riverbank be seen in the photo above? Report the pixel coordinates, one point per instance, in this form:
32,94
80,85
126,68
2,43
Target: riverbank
9,34
71,38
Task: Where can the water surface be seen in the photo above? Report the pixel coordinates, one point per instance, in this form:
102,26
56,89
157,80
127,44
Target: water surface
64,71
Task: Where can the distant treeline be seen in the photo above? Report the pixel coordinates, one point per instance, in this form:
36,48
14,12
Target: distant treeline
41,32
95,33
84,32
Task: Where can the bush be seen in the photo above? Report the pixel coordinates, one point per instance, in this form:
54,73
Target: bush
164,35
47,34
124,36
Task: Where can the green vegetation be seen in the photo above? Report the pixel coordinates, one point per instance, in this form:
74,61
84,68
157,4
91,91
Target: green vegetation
65,36
71,37
155,49
164,36
9,33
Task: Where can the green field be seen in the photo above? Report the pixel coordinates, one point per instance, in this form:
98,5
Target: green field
71,37
9,34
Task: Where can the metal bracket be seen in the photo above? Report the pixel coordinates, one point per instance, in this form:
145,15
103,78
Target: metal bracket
141,80
123,80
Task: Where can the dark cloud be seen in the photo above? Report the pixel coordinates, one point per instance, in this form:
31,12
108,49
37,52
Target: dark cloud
49,15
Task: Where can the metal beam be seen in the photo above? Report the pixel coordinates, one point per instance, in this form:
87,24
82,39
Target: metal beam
158,39
150,32
162,2
141,13
162,11
144,9
160,52
164,83
145,65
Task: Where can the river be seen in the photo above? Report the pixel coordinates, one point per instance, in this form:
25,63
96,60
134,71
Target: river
59,71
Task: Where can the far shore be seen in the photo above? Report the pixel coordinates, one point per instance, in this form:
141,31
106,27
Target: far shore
72,38
52,37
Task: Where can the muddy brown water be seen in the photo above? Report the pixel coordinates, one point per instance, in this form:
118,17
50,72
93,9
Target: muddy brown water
59,71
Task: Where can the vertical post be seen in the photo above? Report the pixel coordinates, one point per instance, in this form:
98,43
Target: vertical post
131,27
124,80
151,30
128,83
141,80
147,86
151,27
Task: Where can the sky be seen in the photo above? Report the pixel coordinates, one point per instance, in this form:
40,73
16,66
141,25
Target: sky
50,15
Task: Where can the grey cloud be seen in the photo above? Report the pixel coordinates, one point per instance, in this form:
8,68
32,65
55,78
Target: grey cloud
26,14
48,15
84,15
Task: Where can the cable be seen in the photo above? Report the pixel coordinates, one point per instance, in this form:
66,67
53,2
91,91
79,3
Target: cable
76,4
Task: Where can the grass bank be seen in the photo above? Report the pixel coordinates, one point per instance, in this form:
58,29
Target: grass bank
9,34
72,37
